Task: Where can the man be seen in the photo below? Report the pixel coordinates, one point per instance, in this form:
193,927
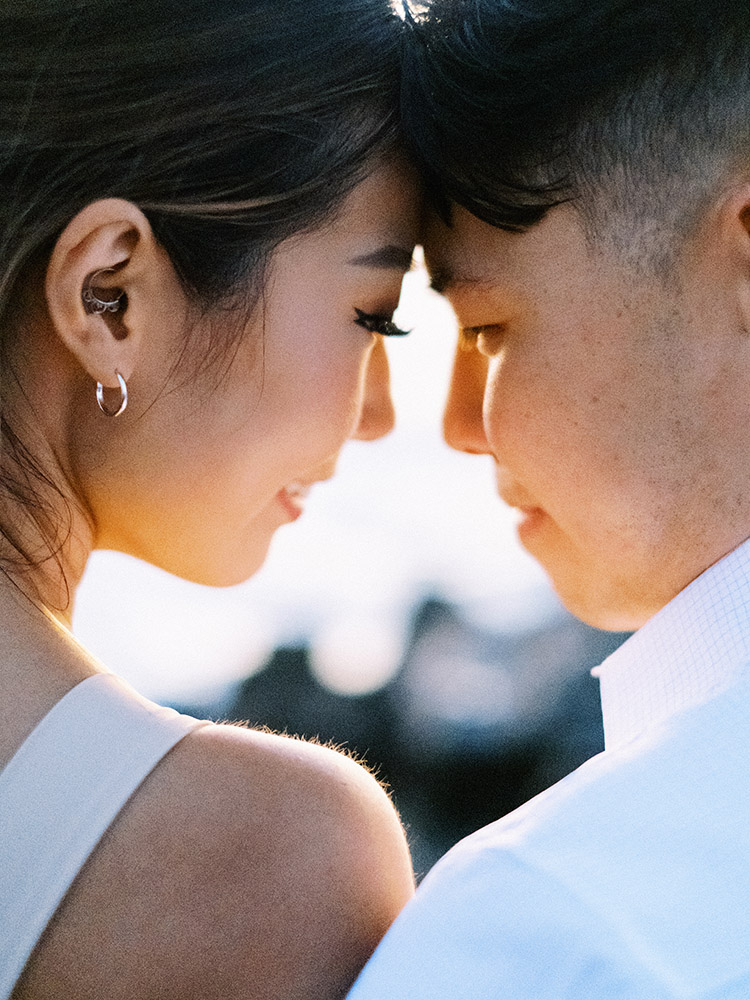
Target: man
590,167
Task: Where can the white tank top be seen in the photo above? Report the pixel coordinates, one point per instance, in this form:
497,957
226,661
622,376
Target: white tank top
61,791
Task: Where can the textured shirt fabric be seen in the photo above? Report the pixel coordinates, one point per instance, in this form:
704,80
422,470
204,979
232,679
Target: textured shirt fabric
629,879
61,791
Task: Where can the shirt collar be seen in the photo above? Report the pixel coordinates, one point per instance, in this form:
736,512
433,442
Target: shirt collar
688,652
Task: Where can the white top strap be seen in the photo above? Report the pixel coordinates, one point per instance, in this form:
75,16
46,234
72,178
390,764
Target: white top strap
61,791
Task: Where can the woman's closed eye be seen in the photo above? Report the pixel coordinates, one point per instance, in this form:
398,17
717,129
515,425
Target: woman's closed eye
378,323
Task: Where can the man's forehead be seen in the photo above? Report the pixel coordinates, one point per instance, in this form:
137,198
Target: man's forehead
449,280
454,272
462,255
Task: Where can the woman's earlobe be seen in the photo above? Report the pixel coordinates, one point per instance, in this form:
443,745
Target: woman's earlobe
91,319
92,267
113,298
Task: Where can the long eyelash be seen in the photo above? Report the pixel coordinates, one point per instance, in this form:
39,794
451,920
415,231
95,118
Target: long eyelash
379,324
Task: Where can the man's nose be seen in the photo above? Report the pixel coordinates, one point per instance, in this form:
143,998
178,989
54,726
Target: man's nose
377,416
463,427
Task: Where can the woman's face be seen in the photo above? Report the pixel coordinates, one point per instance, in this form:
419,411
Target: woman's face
200,471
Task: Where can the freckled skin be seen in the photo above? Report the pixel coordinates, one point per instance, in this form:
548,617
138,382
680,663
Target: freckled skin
611,404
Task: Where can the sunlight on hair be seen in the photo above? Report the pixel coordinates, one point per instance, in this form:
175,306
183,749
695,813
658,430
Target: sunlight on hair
412,8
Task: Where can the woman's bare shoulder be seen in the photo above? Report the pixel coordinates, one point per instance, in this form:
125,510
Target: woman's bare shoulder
248,865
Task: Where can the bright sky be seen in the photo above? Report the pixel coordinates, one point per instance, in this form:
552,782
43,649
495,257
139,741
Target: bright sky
403,517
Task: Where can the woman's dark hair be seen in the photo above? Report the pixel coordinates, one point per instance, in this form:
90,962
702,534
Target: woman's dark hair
630,108
233,124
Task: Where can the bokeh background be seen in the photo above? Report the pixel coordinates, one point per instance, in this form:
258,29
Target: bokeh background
399,617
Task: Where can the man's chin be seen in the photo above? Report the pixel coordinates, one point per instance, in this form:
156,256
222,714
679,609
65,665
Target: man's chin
593,596
595,607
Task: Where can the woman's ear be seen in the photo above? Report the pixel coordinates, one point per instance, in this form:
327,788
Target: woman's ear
107,254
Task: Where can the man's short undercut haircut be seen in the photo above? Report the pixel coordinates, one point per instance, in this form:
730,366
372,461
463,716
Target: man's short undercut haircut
634,110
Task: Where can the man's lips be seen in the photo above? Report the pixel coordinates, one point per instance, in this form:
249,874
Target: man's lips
529,519
515,498
529,515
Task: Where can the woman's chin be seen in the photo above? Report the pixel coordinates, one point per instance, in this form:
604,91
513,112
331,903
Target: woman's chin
232,573
237,567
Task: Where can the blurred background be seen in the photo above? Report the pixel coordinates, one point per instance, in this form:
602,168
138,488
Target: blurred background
399,618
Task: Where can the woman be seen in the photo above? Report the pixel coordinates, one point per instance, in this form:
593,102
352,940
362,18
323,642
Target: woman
205,223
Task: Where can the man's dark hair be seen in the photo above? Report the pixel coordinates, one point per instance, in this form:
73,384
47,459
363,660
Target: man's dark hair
632,109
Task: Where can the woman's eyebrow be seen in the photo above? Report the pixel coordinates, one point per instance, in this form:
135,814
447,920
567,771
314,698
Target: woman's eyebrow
389,257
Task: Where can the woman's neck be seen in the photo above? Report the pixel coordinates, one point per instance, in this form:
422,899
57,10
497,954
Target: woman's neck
45,536
40,661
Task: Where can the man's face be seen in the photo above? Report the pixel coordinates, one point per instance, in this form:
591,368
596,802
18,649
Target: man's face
603,395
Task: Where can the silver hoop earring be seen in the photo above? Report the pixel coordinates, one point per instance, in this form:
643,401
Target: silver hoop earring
92,303
123,397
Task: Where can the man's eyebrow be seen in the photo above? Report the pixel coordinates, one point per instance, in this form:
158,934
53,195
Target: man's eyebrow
444,279
388,257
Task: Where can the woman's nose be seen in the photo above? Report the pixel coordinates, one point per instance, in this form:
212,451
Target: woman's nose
377,416
463,427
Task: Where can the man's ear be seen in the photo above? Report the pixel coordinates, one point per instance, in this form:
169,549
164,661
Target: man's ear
107,249
734,235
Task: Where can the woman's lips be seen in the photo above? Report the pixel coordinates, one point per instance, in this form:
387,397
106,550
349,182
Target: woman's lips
292,499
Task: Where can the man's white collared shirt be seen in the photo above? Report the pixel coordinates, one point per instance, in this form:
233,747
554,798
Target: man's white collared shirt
629,879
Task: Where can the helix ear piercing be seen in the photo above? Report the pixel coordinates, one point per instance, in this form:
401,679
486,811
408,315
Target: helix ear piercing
91,301
123,397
